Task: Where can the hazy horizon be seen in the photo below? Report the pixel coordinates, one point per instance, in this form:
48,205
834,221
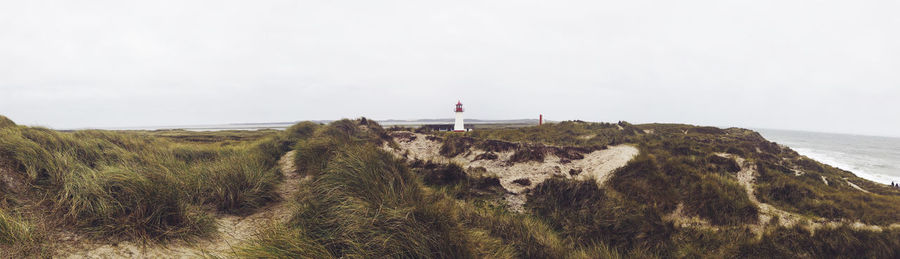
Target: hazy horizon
827,67
448,119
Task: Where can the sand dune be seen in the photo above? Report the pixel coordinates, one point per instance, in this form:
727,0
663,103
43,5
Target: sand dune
598,164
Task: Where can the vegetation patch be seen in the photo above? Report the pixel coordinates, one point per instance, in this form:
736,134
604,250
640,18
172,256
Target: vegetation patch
587,214
454,145
840,242
487,156
528,154
6,122
522,181
361,202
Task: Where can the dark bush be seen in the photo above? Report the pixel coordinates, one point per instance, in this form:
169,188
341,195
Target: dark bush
522,181
403,136
810,165
455,145
708,130
496,145
487,156
528,154
643,181
722,201
570,153
575,172
735,151
443,174
787,192
841,242
583,212
728,164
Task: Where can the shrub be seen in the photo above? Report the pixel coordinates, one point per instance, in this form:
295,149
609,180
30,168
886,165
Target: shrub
313,154
726,164
487,156
840,242
522,181
528,154
440,174
300,130
368,204
708,130
583,212
643,181
6,122
454,145
121,202
721,200
238,184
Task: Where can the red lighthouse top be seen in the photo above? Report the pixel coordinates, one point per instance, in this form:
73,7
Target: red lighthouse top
459,106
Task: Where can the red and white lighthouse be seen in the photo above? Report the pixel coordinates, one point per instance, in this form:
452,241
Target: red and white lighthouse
459,126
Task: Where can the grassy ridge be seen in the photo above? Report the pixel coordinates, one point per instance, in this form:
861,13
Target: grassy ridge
363,202
133,185
679,164
346,209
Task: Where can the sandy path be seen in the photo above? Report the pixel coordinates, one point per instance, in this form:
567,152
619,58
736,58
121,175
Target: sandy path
598,165
856,186
232,230
747,176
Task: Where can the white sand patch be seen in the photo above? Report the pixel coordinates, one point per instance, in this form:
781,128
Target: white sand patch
598,164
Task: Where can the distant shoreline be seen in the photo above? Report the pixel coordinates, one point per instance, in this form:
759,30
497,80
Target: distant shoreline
285,125
875,158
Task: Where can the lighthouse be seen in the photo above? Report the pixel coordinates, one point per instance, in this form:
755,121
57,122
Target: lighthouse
459,126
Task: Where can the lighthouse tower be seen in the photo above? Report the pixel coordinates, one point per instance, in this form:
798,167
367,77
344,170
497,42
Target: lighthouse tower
459,126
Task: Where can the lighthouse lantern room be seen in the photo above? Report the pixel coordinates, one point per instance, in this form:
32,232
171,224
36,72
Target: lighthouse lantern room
459,126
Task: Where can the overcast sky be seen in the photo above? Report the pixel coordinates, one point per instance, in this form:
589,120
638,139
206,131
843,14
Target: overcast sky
831,66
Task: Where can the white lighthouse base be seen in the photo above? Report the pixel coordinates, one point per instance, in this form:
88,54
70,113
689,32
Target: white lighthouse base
459,126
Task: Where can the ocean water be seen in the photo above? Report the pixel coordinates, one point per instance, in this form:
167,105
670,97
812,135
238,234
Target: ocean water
873,158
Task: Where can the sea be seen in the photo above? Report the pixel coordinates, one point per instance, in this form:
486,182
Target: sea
873,158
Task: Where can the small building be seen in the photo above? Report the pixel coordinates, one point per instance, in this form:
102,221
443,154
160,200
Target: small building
447,127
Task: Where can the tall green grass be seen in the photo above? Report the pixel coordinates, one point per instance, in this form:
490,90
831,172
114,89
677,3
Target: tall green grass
363,203
586,214
141,185
840,242
6,122
14,231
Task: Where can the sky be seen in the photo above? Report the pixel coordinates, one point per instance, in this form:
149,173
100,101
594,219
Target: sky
826,65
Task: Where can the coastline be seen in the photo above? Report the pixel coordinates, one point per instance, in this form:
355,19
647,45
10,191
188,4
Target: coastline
873,158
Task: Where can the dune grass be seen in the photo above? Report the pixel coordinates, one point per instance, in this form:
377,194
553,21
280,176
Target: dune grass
362,202
14,230
138,185
840,242
680,164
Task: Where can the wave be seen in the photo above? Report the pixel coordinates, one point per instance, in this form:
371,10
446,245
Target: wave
860,167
